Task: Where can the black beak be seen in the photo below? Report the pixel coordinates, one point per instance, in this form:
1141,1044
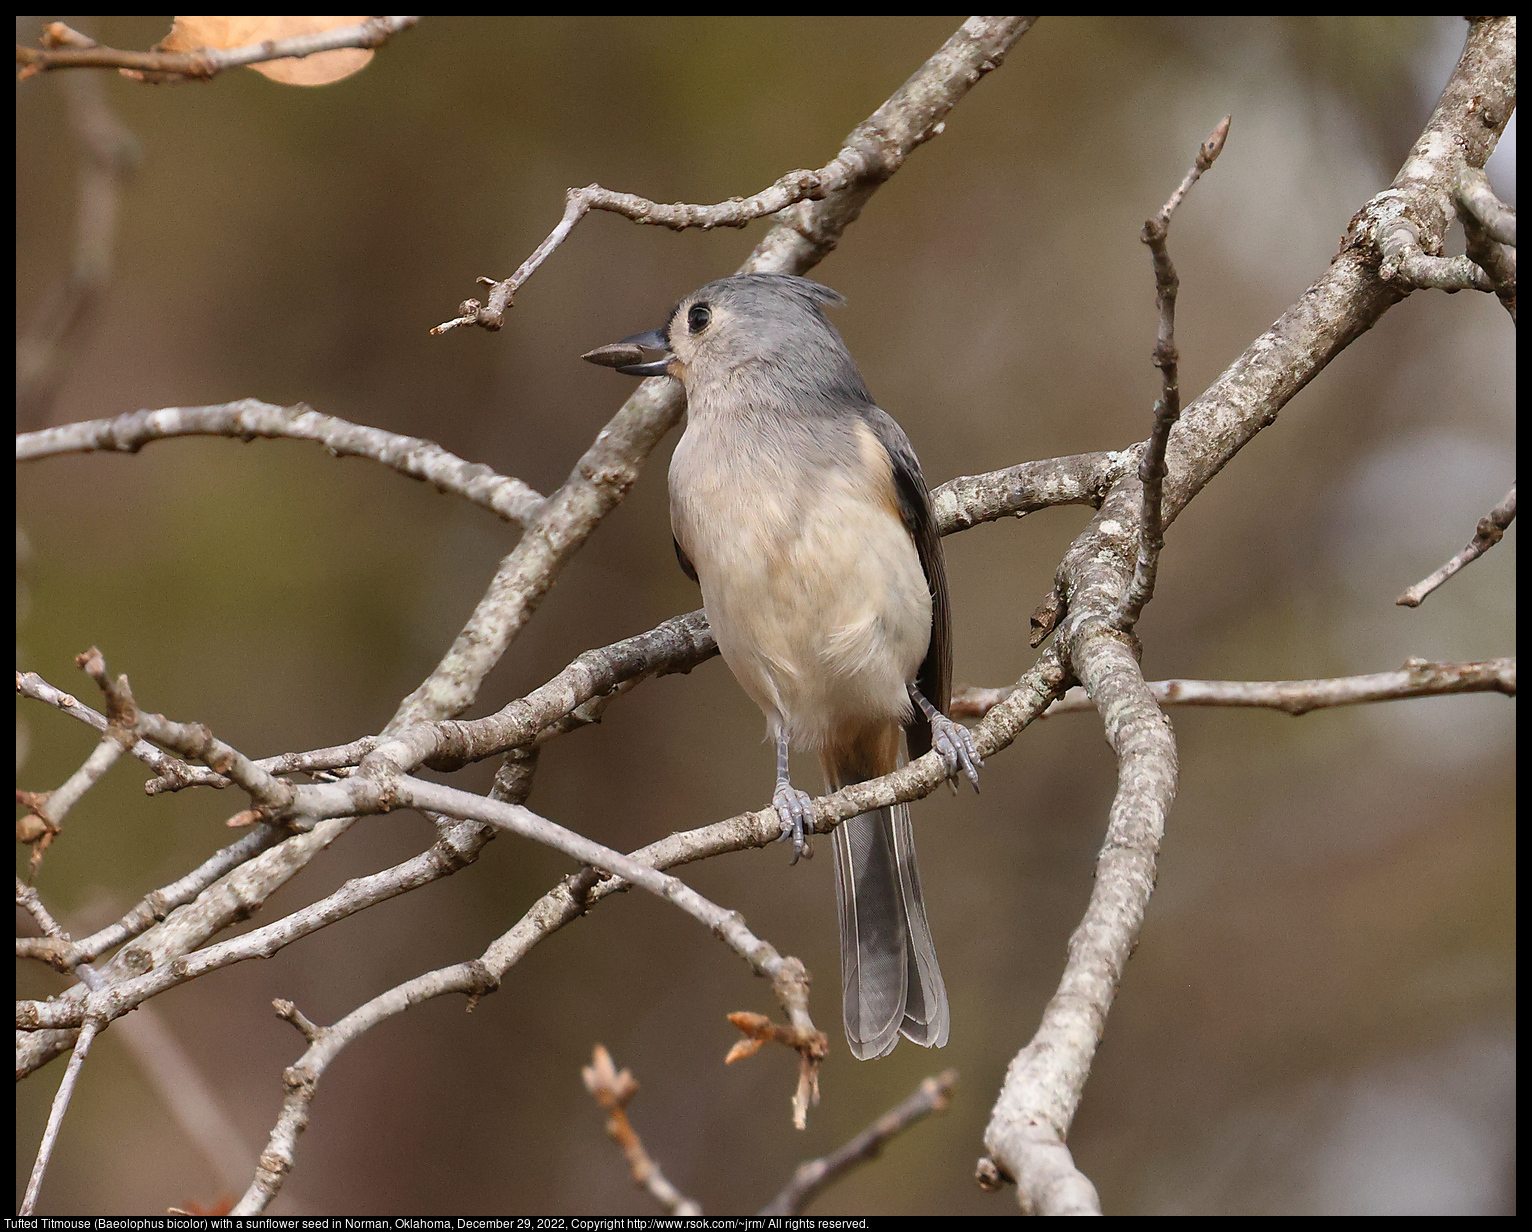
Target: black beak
624,355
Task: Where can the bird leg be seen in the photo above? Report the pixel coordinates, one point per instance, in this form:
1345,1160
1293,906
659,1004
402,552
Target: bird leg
794,807
952,741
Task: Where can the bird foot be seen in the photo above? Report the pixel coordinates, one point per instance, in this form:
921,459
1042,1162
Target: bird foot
796,810
954,744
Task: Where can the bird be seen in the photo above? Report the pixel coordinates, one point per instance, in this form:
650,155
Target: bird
799,507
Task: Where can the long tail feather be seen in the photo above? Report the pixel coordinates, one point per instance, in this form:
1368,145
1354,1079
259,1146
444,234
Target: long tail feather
890,981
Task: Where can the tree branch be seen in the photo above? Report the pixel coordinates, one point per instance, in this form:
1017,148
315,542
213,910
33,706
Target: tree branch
682,642
227,901
817,1175
612,1091
1151,468
676,645
1405,261
1488,533
61,1098
1490,226
1016,491
1417,678
46,810
33,686
208,62
249,418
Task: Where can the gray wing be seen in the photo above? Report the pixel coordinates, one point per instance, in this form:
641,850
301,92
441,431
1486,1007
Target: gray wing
685,561
935,676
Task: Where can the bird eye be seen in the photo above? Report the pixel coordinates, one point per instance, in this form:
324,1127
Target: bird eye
698,318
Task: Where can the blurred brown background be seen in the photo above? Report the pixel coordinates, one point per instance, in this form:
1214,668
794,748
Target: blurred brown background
1320,1015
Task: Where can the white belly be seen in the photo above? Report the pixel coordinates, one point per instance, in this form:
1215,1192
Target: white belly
811,583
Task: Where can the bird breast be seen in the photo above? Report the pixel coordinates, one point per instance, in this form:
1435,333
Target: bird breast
811,582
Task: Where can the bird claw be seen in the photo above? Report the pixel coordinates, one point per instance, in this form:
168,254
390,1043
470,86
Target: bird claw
955,746
796,810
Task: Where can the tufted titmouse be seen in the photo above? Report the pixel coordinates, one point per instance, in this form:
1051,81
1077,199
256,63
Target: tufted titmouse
799,507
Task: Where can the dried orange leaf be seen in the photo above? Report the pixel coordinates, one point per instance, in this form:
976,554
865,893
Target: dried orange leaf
192,33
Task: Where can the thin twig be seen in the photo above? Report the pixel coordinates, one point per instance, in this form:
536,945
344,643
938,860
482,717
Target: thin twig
1477,197
1490,228
933,1095
793,187
1151,467
28,898
249,418
208,62
728,926
195,741
612,1090
1417,678
1488,533
60,1106
33,686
